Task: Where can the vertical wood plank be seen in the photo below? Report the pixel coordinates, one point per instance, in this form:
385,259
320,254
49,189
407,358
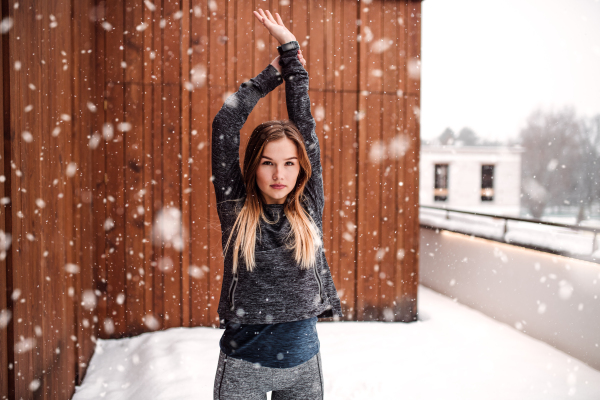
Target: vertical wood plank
157,264
300,27
350,61
400,255
389,225
333,137
100,176
171,110
83,117
370,160
413,47
274,98
147,81
65,234
149,54
413,43
349,145
245,50
133,143
232,61
285,11
369,211
22,362
329,38
349,196
217,80
29,281
261,112
5,217
390,137
115,323
401,203
334,203
316,49
388,46
201,170
186,162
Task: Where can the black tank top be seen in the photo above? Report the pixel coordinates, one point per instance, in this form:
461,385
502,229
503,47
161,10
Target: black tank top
283,345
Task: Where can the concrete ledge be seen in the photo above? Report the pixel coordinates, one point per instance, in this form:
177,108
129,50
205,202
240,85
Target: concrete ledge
549,297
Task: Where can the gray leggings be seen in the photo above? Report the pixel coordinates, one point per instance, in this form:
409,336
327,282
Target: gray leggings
240,379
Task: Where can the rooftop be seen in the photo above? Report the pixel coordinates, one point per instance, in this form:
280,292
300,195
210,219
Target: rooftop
451,352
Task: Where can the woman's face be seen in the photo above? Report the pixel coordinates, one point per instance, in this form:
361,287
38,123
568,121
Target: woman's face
278,170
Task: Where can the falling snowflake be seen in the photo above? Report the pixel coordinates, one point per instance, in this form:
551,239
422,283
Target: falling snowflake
151,322
25,345
124,126
88,300
150,5
27,136
92,107
5,316
71,268
108,131
198,75
71,169
109,326
414,68
7,23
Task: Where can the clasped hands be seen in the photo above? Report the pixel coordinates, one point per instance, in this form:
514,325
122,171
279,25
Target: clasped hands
278,30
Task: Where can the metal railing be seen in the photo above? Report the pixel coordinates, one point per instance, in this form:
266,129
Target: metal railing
568,240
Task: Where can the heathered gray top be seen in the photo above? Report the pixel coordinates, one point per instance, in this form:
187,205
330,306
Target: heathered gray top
277,290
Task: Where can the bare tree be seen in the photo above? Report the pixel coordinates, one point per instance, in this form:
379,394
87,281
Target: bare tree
468,137
560,162
589,176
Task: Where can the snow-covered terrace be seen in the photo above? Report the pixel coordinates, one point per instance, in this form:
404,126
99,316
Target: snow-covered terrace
451,352
496,321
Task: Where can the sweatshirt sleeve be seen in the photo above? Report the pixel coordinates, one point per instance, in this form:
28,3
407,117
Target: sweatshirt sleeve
226,172
298,107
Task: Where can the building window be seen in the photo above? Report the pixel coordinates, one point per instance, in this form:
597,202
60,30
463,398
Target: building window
440,192
487,182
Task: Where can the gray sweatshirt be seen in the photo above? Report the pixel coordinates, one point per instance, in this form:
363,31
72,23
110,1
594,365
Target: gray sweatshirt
277,290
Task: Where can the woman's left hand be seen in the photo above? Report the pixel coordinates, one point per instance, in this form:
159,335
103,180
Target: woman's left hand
275,27
275,62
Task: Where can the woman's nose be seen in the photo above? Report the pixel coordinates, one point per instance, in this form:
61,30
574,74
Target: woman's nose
278,172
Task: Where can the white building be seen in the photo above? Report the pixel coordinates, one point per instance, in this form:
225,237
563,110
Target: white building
484,179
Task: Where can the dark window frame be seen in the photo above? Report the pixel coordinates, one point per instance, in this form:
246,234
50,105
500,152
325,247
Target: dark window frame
487,182
441,181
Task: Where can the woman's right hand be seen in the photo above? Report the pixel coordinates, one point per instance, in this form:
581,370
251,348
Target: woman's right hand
276,28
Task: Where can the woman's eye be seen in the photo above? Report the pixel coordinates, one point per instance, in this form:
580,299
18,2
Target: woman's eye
268,162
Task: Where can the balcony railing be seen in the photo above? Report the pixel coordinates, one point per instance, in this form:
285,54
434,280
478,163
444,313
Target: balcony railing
573,241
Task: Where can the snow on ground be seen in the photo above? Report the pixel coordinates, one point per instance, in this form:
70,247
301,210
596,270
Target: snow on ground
452,352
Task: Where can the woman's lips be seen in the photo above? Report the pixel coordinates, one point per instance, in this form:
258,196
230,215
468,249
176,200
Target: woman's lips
277,186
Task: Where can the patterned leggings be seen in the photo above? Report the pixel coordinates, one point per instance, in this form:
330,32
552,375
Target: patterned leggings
240,379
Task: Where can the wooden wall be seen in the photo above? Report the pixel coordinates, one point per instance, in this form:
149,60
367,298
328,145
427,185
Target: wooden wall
106,157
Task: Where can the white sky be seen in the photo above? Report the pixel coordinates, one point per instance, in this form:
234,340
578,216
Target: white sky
488,64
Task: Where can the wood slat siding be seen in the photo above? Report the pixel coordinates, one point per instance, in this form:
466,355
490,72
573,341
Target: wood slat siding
6,223
91,68
83,125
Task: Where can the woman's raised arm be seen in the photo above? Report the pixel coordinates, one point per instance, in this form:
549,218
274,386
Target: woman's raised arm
226,126
298,103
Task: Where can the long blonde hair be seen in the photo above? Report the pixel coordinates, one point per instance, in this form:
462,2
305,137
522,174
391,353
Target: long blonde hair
305,237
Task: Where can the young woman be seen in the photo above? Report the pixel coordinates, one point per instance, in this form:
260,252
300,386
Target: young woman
276,280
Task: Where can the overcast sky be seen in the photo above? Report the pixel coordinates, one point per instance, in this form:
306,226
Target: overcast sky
488,64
